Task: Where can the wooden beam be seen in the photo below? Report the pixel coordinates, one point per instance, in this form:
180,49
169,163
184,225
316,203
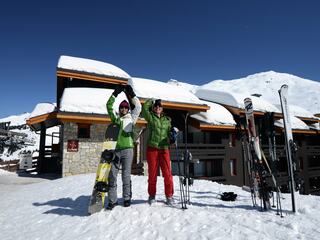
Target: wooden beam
181,106
309,120
41,118
90,119
210,127
91,77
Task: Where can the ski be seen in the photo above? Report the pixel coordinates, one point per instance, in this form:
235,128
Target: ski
270,132
100,188
283,93
255,163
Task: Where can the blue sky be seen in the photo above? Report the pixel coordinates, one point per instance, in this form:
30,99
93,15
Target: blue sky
191,41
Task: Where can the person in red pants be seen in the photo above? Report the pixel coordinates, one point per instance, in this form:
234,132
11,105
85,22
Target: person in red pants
159,126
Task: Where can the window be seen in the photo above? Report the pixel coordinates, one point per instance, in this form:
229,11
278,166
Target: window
233,167
314,161
83,130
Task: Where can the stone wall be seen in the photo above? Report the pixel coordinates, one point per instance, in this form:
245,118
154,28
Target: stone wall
89,151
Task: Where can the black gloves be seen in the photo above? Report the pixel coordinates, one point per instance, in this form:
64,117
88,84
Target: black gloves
117,90
128,89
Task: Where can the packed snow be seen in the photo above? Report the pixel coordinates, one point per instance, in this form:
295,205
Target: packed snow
57,209
91,66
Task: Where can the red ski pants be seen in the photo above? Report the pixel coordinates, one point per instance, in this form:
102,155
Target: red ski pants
156,157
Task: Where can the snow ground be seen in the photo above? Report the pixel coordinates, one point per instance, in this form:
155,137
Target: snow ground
57,209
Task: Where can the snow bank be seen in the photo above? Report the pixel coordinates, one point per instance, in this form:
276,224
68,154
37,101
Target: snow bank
91,66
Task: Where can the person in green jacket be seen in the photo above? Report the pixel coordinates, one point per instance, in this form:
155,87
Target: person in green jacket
125,144
159,126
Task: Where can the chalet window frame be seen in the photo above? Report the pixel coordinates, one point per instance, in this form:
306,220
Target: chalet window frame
84,130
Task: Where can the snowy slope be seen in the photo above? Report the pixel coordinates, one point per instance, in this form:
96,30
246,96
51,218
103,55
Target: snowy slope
302,92
57,210
16,120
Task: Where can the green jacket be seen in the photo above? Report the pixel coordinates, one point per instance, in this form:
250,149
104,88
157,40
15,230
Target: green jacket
126,123
159,127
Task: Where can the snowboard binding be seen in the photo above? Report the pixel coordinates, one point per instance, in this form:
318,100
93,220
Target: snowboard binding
109,156
101,187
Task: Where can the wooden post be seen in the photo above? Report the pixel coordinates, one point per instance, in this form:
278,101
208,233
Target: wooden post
40,164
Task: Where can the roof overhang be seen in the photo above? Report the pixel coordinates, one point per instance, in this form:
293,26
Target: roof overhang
62,117
49,119
210,127
90,76
241,112
182,106
308,120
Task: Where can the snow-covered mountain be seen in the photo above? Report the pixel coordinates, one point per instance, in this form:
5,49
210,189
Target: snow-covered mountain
302,92
57,209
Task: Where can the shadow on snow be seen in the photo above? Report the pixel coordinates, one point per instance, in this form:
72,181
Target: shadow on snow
67,206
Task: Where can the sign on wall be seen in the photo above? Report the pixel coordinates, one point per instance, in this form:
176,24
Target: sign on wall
73,145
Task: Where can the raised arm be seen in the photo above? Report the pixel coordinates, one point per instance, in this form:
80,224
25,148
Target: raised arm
145,110
110,103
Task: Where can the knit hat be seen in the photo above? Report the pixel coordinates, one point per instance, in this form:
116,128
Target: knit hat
124,103
157,103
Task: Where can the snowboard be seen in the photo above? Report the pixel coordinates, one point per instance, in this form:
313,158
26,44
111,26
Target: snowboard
100,188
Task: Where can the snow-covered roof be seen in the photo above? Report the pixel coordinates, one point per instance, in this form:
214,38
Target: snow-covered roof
216,115
147,88
88,100
43,108
190,87
300,112
91,66
235,100
296,123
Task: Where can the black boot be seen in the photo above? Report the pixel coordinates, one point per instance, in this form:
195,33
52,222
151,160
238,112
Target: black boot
127,203
111,205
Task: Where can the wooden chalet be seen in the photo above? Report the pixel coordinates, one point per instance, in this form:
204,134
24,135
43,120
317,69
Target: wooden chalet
216,146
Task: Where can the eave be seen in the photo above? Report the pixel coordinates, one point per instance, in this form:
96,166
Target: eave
90,76
181,106
210,127
62,117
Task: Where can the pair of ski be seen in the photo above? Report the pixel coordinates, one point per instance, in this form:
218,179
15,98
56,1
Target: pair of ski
256,161
185,180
